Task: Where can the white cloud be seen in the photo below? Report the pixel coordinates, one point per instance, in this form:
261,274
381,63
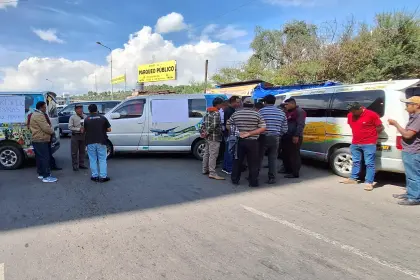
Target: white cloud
8,3
226,33
290,2
49,35
142,47
172,22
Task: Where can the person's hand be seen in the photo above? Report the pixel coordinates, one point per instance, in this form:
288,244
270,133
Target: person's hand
82,130
392,122
244,134
295,140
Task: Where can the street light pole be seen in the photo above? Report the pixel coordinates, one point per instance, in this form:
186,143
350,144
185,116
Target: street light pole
112,85
52,84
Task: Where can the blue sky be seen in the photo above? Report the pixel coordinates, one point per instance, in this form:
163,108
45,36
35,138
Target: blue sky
69,28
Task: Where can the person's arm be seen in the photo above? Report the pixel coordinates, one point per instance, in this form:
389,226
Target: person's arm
378,124
405,133
229,123
72,125
300,120
284,126
261,129
107,125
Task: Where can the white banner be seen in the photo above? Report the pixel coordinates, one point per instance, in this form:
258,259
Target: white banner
12,109
169,110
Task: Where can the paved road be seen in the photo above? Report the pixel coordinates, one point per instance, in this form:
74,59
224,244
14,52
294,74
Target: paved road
161,219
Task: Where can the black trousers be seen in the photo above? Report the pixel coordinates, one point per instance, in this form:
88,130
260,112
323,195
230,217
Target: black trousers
247,149
269,145
291,155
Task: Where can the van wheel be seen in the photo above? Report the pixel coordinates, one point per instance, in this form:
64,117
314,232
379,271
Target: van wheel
109,150
11,157
198,149
341,162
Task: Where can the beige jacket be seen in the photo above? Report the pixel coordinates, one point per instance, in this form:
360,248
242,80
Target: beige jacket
75,123
41,130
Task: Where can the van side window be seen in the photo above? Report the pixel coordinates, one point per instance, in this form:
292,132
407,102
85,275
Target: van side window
373,100
131,109
196,108
315,105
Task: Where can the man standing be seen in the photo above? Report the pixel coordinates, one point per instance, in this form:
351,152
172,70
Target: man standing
234,104
78,145
292,141
250,125
213,135
411,152
276,123
96,128
366,126
41,138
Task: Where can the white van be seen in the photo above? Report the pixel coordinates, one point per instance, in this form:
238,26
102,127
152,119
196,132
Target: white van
327,136
159,123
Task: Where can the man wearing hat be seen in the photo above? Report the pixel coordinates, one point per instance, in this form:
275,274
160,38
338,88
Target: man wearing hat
78,145
366,126
250,125
411,151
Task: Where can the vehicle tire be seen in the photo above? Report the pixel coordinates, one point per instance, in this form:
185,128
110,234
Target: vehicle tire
109,149
11,157
341,162
198,149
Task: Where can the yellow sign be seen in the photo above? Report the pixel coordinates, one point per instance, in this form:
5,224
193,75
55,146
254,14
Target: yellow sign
117,80
156,72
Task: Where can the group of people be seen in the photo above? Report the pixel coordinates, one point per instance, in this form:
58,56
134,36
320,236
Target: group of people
87,131
249,132
366,126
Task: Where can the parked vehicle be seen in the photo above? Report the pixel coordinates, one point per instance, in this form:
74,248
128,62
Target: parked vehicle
327,136
136,129
65,114
15,138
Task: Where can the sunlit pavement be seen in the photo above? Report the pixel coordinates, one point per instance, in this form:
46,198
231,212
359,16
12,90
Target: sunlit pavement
159,218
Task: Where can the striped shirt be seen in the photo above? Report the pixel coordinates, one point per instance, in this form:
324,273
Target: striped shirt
275,119
246,120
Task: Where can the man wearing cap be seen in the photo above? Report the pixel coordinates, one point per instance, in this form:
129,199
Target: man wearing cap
78,145
250,125
366,126
411,151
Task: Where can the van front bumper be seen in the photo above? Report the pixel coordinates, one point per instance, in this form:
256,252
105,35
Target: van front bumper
390,165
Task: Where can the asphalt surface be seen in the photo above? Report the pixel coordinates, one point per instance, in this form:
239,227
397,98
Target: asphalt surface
159,218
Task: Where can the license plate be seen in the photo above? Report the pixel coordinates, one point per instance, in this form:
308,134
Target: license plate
383,148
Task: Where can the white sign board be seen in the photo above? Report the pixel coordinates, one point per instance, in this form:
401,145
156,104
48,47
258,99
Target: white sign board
12,109
169,110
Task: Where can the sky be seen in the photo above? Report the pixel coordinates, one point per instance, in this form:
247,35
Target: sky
56,39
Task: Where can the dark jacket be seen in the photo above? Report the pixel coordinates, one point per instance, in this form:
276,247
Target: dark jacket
296,122
228,113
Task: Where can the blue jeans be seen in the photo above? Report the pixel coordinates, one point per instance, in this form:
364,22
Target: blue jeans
97,154
369,153
228,158
42,157
412,175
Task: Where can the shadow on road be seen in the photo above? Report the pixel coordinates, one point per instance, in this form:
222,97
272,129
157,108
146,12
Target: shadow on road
139,182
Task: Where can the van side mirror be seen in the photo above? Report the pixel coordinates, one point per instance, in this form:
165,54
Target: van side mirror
115,116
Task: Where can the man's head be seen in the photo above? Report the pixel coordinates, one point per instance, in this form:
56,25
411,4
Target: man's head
355,108
225,104
412,104
42,106
93,108
78,108
235,101
270,99
259,106
248,102
218,102
283,107
290,104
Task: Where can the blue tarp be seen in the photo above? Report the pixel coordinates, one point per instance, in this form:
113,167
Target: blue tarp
261,92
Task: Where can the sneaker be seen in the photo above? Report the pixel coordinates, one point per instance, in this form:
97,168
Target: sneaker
94,179
368,187
40,177
400,196
49,180
271,181
216,177
409,202
226,172
349,181
103,180
83,167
